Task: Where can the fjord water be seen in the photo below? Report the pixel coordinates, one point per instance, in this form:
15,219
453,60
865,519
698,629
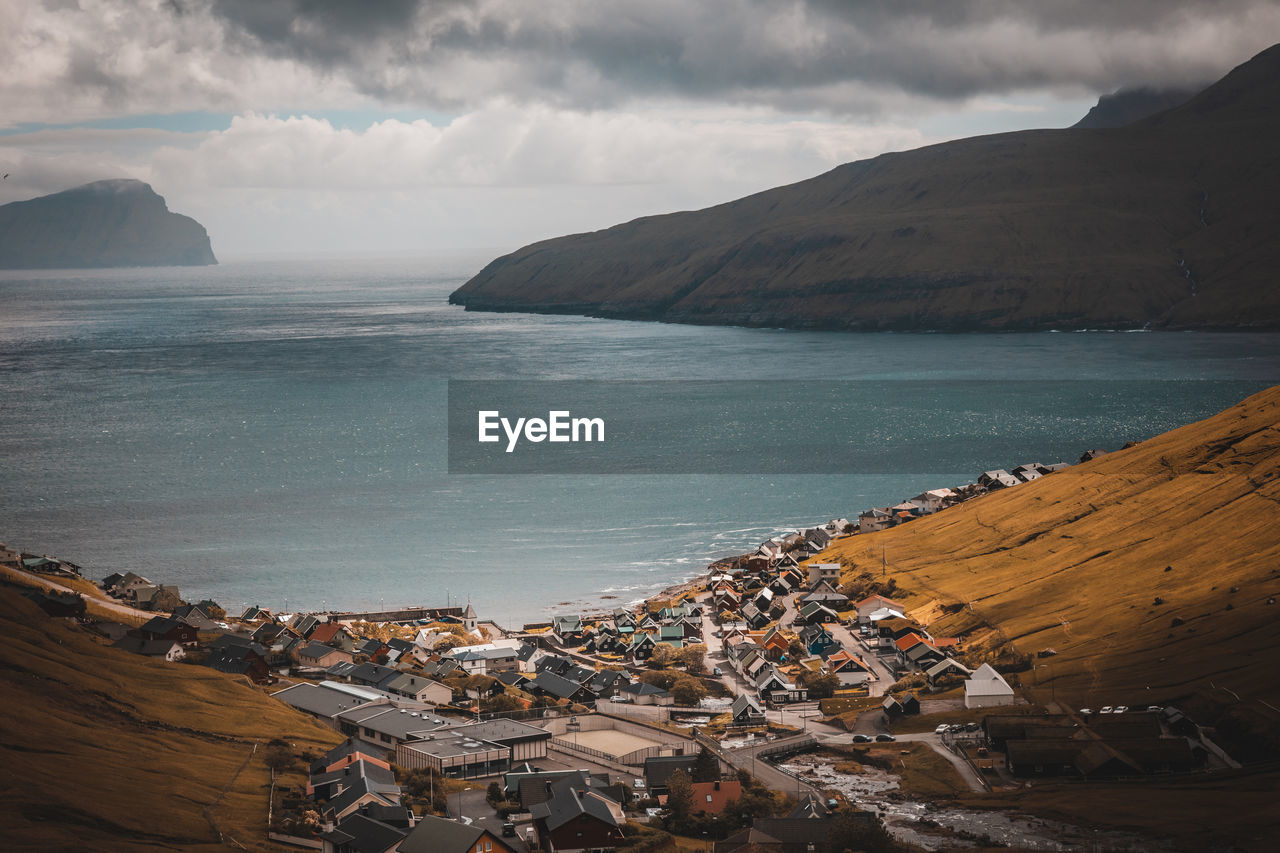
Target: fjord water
274,432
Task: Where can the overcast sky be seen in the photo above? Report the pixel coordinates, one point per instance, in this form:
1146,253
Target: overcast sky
304,126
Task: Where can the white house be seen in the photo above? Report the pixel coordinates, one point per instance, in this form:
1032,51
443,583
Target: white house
986,688
829,572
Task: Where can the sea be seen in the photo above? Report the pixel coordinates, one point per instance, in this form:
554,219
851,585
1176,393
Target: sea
273,432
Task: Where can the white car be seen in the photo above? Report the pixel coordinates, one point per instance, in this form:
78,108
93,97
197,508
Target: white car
942,729
1086,711
1106,709
1120,709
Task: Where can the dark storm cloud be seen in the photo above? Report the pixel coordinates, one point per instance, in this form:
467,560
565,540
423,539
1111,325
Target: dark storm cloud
600,53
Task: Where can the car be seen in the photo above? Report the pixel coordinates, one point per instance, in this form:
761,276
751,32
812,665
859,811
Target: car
508,830
1154,709
885,738
957,727
942,729
861,738
715,670
1120,709
971,727
1106,709
1086,711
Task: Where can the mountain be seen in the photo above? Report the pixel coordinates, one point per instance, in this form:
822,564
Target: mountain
1168,222
1152,571
1129,105
106,750
118,223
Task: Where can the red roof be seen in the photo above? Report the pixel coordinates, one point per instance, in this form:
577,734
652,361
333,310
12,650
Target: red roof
712,797
882,600
325,632
909,640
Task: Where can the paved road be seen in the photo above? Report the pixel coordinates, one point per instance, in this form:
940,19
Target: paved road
104,603
745,759
473,806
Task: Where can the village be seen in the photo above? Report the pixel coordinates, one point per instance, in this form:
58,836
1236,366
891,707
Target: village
682,716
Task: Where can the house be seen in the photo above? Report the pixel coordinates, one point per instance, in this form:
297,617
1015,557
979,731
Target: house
320,656
921,656
746,711
642,693
169,628
1027,473
547,683
874,520
438,835
946,667
872,603
360,833
419,689
240,659
168,650
774,687
848,667
658,770
348,752
334,634
815,613
933,500
712,797
575,819
998,479
568,629
817,639
986,688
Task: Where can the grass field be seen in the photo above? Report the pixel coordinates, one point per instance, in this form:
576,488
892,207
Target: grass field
119,752
1151,571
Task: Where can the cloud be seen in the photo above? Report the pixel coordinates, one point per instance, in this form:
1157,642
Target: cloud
507,145
108,57
507,172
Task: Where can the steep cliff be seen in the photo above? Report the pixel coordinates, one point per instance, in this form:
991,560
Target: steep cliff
118,223
1168,222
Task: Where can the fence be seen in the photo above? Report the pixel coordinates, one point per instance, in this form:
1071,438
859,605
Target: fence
653,713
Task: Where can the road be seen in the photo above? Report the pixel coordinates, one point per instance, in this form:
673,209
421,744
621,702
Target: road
472,806
104,603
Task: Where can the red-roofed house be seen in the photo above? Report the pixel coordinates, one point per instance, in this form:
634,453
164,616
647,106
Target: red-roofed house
712,797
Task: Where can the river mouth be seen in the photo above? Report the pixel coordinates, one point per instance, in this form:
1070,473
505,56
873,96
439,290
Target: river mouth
938,826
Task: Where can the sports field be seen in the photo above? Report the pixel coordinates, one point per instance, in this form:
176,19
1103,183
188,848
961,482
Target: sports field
610,741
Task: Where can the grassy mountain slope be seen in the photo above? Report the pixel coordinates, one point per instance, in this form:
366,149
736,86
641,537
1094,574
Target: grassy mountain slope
1149,570
105,750
1166,222
116,223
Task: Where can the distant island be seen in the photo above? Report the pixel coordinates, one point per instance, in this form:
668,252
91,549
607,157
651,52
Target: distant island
116,223
1167,222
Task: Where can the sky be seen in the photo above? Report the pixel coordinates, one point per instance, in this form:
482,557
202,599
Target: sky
319,127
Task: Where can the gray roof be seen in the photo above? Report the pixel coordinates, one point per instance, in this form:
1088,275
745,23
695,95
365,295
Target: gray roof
437,835
745,702
377,778
566,804
358,789
319,699
503,731
362,834
400,723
